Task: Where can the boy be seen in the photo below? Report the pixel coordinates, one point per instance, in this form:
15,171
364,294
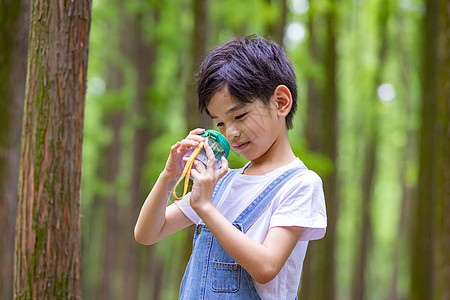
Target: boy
253,223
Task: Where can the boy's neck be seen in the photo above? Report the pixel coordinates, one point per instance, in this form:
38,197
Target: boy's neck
280,156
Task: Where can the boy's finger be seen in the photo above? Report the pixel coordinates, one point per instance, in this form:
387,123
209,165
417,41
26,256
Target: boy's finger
224,163
192,141
187,143
194,173
223,168
176,150
197,131
175,147
211,158
199,167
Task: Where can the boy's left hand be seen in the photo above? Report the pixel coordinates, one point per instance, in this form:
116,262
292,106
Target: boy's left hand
205,180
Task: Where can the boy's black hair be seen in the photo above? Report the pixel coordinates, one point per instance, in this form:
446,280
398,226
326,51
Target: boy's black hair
250,68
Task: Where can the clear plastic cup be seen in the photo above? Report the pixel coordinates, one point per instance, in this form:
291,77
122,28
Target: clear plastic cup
218,143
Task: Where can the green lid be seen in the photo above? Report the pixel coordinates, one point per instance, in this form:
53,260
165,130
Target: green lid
217,136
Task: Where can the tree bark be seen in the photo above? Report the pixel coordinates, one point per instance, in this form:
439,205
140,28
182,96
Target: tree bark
401,245
442,244
14,25
370,165
275,27
320,259
199,41
314,97
106,205
47,252
313,138
430,237
108,170
422,268
143,56
329,144
195,119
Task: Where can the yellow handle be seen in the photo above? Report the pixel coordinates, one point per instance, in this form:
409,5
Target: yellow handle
187,172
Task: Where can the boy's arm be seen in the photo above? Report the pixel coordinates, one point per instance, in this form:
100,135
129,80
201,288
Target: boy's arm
262,261
156,220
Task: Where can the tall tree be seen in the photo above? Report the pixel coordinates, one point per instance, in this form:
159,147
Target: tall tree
14,24
104,228
409,151
370,162
320,261
108,171
442,229
329,144
47,251
430,236
142,54
275,24
314,97
199,39
312,133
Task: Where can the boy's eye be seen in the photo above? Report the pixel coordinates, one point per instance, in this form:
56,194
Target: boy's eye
219,124
240,116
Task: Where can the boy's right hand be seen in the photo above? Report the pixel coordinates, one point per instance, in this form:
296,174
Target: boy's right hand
177,151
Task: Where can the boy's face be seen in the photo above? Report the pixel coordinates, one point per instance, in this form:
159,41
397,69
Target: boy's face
252,129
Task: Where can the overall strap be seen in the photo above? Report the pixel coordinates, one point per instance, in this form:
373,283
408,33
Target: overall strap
222,185
260,204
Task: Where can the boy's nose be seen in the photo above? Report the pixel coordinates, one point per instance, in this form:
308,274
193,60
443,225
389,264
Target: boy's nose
232,132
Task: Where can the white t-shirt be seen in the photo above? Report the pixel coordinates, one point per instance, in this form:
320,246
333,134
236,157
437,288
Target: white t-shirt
300,202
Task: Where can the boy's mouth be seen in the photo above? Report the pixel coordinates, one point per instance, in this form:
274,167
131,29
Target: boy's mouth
240,146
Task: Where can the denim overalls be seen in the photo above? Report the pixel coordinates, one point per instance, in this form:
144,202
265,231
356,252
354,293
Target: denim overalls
211,273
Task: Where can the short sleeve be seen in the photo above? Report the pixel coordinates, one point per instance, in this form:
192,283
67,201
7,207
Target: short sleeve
302,203
185,206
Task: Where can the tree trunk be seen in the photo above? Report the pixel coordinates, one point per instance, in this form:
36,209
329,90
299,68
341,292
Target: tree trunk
194,119
275,26
108,170
442,244
329,144
313,139
370,164
106,205
143,56
14,25
319,277
365,234
408,190
431,236
47,252
198,51
422,268
110,243
314,97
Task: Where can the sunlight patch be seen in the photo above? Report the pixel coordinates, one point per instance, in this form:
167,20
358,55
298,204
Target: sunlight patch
386,92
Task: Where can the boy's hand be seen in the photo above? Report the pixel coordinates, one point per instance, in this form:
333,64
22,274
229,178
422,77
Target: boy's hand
205,180
177,151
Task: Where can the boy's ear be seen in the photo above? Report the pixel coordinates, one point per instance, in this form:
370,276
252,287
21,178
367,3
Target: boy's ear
283,100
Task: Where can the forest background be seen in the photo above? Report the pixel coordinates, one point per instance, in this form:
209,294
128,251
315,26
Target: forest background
373,78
